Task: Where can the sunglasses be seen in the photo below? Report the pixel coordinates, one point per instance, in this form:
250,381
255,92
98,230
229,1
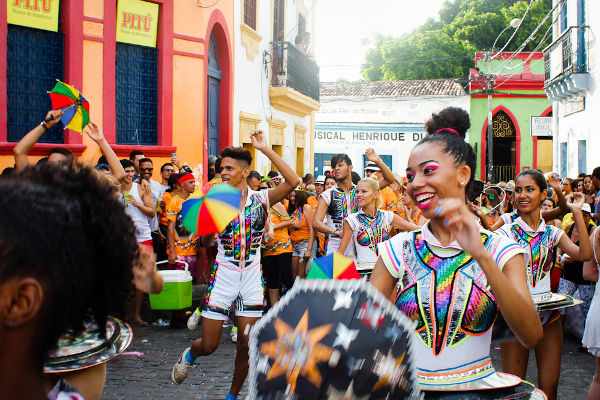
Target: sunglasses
169,170
146,169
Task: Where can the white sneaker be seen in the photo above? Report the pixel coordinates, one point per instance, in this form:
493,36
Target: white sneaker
234,334
194,319
181,369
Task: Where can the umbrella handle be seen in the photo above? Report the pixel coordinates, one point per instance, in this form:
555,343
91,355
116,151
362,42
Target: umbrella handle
49,117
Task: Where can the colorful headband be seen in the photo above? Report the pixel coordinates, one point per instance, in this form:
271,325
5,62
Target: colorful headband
447,129
185,177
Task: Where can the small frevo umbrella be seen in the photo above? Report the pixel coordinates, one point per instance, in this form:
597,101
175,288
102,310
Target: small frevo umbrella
333,266
332,339
211,210
76,109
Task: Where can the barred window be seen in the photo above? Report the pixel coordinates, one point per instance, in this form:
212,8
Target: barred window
136,94
250,13
35,59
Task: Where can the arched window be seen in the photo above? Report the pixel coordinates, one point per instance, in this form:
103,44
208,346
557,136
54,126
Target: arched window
502,125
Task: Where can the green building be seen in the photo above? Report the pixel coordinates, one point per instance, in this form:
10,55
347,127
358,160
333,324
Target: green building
517,96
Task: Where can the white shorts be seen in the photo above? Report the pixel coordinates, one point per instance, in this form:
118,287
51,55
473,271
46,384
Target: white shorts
299,248
228,285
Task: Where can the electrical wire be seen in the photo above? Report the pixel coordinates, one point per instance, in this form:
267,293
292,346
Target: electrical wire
515,31
396,62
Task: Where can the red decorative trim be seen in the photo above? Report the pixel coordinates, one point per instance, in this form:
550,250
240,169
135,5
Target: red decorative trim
123,150
164,42
3,88
93,38
190,38
93,19
71,12
217,24
480,55
509,96
535,138
109,121
484,141
187,54
42,149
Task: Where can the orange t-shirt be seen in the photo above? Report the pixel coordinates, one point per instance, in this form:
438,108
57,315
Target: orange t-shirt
389,198
313,201
281,242
300,234
184,243
215,181
162,212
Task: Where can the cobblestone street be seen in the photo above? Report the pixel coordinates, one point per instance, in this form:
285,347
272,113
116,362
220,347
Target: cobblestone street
149,377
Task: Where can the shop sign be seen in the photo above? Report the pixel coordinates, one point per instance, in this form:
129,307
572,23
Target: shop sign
541,126
40,14
365,138
137,22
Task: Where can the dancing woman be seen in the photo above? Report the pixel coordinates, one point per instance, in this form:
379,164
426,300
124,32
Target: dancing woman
301,231
453,276
541,241
369,226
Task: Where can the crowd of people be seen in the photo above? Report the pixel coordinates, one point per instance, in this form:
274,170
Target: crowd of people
456,255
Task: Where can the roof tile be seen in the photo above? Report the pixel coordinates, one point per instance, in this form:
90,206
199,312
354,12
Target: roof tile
432,87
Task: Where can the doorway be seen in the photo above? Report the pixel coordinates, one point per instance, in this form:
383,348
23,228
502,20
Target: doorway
214,81
505,147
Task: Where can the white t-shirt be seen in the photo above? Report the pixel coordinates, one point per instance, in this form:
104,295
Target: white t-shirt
444,290
540,245
367,232
140,220
157,192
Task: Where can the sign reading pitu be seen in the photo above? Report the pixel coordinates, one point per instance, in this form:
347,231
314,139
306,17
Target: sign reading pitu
137,22
40,14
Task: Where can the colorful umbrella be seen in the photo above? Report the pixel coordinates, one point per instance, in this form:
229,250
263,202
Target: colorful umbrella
333,266
332,340
75,107
212,212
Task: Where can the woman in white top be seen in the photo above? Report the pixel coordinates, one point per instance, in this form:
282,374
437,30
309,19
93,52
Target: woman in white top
453,277
369,226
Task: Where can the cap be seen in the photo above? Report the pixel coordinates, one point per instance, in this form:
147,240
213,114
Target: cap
371,166
320,180
586,207
510,186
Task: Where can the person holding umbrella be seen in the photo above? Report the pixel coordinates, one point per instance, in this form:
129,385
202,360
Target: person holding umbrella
236,274
452,276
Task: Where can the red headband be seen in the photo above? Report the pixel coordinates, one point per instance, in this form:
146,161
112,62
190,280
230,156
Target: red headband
447,129
185,177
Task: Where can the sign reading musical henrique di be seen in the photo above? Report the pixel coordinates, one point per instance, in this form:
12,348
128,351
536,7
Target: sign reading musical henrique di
137,22
40,14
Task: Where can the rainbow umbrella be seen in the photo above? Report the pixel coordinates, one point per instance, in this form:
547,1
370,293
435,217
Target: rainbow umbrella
211,209
333,266
75,107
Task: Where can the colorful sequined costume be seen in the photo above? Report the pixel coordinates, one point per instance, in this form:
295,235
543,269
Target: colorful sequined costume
339,206
444,290
236,275
367,232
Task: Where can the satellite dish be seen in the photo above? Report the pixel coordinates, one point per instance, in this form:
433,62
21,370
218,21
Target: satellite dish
207,3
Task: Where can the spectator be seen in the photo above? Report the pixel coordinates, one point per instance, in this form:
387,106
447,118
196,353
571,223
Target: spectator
161,211
301,232
135,156
566,186
166,170
211,167
137,198
253,180
56,154
387,195
217,179
311,190
355,177
596,184
308,179
275,177
319,184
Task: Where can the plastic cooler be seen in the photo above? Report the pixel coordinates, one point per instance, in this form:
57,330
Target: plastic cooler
177,290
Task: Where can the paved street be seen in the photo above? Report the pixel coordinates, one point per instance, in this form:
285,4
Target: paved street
149,377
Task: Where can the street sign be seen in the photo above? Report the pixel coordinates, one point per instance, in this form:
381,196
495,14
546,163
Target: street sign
541,126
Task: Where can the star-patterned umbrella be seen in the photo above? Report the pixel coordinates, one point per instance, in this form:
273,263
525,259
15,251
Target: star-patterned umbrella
332,339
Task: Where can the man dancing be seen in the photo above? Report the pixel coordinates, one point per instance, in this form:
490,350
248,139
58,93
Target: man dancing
236,275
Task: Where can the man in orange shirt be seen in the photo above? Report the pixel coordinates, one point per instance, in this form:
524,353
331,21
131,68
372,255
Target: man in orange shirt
387,194
217,179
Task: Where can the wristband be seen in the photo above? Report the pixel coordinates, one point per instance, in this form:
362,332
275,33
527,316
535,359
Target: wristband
43,125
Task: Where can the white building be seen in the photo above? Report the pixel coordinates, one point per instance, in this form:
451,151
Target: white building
276,85
386,115
571,82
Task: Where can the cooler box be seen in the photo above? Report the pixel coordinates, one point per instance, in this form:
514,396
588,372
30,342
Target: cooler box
177,291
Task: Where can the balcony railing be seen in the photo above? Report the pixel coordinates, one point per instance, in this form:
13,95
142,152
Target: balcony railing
294,69
566,64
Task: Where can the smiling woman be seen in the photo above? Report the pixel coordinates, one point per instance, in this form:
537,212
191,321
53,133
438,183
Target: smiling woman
485,268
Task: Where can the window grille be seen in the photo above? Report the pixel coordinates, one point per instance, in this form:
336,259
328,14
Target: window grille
136,94
250,13
34,60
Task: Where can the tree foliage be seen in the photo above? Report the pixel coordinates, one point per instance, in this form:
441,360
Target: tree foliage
464,27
